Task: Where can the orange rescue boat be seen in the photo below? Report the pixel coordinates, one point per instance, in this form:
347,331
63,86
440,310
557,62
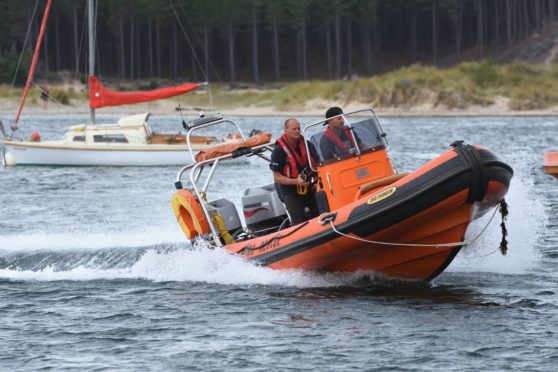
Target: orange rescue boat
550,163
373,217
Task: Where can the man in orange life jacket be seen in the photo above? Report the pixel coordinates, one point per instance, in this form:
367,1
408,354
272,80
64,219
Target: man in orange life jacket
337,139
288,160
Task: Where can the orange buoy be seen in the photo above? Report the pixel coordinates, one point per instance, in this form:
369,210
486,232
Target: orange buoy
35,137
189,214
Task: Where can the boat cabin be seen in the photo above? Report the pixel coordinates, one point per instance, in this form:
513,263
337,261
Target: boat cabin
128,130
131,130
347,156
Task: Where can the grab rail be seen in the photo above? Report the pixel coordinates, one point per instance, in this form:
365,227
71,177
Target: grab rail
195,171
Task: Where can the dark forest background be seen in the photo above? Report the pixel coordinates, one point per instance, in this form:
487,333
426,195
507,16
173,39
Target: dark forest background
259,41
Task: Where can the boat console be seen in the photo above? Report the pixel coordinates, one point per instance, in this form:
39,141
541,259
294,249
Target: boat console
343,167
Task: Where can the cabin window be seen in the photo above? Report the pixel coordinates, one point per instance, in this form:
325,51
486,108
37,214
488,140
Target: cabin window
79,138
364,133
110,138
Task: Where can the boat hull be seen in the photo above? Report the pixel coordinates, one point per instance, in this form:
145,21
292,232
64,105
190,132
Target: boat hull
550,163
52,153
411,229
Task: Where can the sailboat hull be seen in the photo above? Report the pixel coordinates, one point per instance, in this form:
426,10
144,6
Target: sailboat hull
58,153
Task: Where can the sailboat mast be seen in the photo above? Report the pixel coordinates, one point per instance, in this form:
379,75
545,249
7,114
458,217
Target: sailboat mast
91,27
34,62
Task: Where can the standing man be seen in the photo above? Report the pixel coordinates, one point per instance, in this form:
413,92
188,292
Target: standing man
288,161
44,97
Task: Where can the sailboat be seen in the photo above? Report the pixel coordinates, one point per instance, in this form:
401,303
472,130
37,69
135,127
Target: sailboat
128,142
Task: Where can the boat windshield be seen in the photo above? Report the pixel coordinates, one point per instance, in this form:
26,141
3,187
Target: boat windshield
360,133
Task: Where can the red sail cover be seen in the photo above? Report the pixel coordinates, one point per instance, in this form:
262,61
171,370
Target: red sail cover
100,96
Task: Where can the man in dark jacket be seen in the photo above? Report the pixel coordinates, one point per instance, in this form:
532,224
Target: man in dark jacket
289,161
337,139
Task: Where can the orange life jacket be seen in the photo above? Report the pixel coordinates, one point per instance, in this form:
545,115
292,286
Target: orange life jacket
334,137
296,162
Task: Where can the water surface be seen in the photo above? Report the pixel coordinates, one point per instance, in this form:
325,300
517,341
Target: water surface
96,274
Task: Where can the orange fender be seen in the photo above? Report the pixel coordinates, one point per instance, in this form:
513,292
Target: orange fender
189,214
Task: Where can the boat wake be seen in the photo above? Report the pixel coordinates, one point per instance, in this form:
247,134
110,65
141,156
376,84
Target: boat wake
160,253
158,263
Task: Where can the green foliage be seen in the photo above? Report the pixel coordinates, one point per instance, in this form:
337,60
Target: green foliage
528,87
461,99
6,91
483,74
60,95
8,66
539,93
295,95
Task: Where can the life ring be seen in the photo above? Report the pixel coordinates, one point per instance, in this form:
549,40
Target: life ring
189,214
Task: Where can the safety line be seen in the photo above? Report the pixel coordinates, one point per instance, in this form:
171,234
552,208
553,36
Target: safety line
442,245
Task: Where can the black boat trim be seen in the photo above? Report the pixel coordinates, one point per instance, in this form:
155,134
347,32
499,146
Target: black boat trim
480,181
446,263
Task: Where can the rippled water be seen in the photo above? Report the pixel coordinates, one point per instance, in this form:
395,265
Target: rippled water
96,274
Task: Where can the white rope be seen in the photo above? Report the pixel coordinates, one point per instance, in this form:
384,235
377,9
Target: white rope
48,96
442,245
23,49
485,227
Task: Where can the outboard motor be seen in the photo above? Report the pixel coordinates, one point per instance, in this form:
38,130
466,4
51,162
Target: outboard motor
262,208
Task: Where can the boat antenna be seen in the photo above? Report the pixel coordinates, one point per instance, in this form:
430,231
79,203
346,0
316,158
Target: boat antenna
184,125
206,84
91,25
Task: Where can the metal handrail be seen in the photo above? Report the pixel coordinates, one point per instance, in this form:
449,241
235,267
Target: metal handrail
211,123
195,170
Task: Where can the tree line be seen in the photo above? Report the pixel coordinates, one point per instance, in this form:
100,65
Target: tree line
262,41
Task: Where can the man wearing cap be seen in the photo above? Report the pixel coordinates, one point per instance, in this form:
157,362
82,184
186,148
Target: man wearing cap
289,161
337,139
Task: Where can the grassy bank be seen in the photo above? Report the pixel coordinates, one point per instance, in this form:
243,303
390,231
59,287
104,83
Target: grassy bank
528,87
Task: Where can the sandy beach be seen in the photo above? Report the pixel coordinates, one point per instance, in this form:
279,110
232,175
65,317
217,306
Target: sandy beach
8,109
